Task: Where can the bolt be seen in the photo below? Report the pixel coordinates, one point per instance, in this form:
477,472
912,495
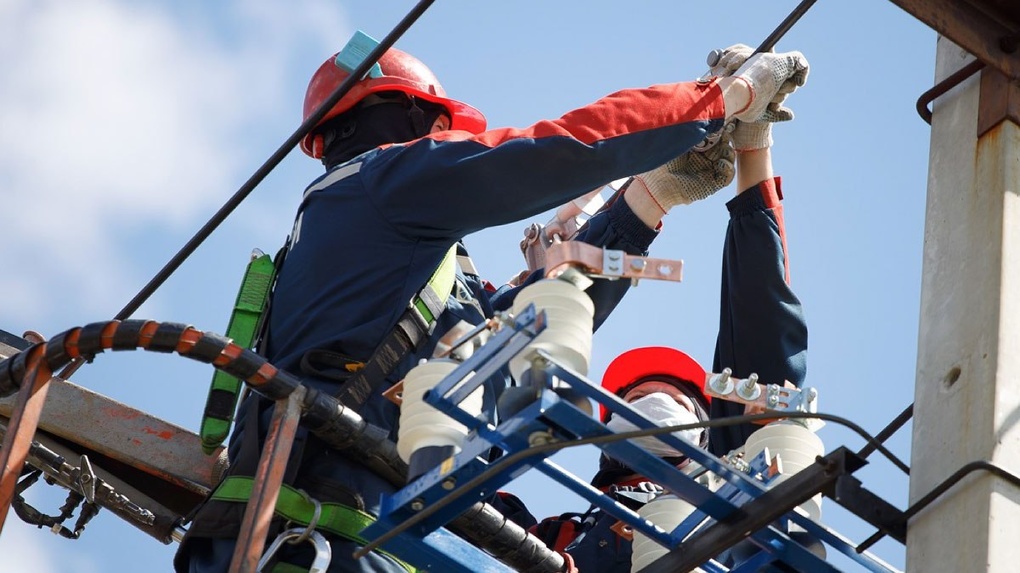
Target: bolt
773,400
449,483
828,466
720,382
749,389
417,505
638,264
85,478
540,439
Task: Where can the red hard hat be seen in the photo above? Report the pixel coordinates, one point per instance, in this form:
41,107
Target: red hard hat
401,72
639,363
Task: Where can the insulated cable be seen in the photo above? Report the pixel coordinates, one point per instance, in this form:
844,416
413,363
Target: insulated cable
324,415
942,488
889,430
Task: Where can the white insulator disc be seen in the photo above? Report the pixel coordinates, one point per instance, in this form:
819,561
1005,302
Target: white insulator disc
797,447
567,336
667,511
421,425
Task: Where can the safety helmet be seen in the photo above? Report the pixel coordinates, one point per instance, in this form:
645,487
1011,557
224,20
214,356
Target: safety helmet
649,361
401,72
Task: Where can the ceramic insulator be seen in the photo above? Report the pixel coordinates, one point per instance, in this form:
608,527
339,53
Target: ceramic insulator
797,447
422,425
667,511
567,336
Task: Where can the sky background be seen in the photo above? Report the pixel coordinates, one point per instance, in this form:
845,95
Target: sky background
124,125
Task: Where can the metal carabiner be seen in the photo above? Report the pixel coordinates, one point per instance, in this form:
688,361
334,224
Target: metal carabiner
323,551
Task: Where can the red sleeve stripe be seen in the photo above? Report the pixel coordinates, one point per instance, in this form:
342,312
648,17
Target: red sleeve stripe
772,194
622,113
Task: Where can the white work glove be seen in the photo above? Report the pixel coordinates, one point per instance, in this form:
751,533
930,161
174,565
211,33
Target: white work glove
692,176
724,62
746,135
770,77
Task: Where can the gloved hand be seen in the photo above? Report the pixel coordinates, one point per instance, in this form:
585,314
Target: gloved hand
692,176
770,77
724,62
758,134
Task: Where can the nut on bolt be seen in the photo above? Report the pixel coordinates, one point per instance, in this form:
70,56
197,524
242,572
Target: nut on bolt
540,439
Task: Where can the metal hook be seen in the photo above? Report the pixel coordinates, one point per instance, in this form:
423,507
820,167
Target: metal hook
323,550
313,523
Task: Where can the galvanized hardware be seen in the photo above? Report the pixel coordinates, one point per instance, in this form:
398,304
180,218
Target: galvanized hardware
323,551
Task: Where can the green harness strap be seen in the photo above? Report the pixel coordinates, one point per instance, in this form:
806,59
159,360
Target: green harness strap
295,506
244,322
251,304
440,283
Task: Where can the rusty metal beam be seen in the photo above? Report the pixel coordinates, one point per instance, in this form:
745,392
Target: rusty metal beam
24,420
126,434
989,29
268,478
999,100
160,459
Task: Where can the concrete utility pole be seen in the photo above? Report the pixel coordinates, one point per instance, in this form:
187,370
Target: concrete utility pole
967,396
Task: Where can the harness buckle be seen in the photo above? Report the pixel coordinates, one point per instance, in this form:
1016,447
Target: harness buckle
323,551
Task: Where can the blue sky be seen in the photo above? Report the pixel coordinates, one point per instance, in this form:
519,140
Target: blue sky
125,125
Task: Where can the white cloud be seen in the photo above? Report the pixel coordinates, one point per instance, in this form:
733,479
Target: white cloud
120,123
120,117
24,550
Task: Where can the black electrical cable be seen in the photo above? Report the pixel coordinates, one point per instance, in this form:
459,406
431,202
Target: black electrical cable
937,491
500,465
242,193
889,430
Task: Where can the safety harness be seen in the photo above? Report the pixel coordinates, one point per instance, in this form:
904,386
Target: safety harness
248,327
413,327
248,323
245,321
298,508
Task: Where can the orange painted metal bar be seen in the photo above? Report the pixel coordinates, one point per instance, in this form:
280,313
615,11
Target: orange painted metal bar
23,423
251,540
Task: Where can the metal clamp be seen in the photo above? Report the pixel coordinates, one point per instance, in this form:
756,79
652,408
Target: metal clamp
323,551
87,479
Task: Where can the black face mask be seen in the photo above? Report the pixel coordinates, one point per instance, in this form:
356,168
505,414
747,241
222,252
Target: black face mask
365,128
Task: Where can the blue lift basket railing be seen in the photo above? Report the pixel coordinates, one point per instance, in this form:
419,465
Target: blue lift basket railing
411,524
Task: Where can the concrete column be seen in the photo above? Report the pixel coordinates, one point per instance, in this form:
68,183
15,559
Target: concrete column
967,393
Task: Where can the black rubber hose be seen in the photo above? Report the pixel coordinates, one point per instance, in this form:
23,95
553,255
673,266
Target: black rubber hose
324,415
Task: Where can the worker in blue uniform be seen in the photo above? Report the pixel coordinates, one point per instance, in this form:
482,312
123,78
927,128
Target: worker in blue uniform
409,173
761,330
